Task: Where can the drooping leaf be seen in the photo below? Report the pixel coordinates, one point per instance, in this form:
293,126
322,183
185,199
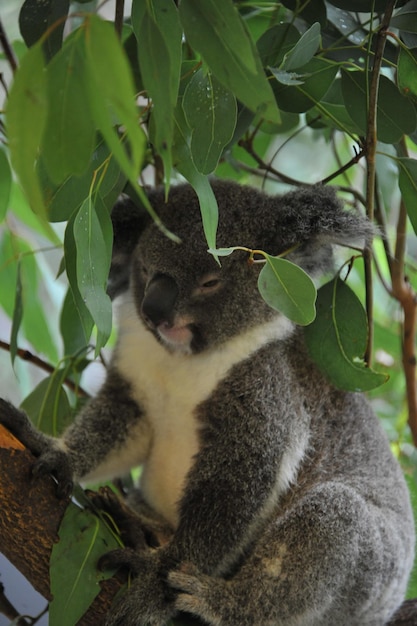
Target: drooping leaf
63,199
406,17
211,111
276,42
19,294
317,76
111,94
408,186
337,338
93,241
185,165
158,31
70,251
75,579
304,50
48,405
70,325
288,289
17,314
69,135
5,184
26,115
215,29
360,6
407,72
396,115
35,18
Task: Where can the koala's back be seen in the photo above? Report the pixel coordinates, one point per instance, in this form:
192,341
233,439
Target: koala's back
344,521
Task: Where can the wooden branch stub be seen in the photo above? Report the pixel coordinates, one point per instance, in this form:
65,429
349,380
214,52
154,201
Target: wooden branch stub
30,518
30,513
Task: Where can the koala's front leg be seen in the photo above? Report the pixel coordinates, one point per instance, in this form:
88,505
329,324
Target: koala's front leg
50,458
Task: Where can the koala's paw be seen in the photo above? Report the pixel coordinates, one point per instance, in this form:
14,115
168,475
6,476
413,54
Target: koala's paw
127,521
198,594
148,601
50,459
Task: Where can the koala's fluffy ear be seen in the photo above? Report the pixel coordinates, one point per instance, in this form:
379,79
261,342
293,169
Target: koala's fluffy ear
129,220
313,219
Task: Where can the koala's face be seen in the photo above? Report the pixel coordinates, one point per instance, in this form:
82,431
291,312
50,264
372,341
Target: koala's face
183,296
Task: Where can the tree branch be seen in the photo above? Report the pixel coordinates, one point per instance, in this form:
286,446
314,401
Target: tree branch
25,355
30,518
7,49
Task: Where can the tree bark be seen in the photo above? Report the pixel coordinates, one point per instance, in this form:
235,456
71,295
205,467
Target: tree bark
30,518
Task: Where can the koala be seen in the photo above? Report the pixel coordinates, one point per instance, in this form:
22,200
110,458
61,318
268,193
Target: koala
267,496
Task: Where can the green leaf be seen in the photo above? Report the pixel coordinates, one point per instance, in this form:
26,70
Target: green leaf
5,184
111,94
35,18
337,339
211,113
304,50
396,115
70,251
407,72
26,115
275,43
70,133
63,199
408,187
71,327
48,405
93,240
288,289
318,75
215,29
17,314
222,251
406,18
75,579
186,167
19,294
310,12
158,31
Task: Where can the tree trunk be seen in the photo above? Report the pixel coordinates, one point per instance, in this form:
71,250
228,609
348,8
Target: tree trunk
29,522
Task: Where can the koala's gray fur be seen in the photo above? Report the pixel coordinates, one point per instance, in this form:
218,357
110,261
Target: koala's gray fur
283,504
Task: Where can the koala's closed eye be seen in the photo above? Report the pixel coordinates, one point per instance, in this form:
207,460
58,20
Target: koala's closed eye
208,285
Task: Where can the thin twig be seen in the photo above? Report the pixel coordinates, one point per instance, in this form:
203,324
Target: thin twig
25,355
370,151
7,49
119,17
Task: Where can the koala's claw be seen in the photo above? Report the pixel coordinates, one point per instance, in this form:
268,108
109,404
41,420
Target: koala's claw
123,557
56,464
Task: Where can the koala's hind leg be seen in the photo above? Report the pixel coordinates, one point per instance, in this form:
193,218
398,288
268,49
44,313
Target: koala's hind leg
323,562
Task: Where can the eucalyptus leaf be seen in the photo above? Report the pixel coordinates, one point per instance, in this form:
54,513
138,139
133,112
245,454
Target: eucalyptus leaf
69,136
276,42
185,165
5,184
214,28
75,579
111,94
288,289
211,112
48,405
36,18
26,115
408,186
396,115
337,338
304,50
318,75
407,72
93,241
406,17
158,31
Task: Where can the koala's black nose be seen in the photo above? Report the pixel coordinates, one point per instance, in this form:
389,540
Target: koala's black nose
159,300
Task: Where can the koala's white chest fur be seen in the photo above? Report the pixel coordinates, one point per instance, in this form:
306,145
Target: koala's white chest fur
169,387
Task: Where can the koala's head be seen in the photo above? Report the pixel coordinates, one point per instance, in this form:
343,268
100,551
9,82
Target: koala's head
183,296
